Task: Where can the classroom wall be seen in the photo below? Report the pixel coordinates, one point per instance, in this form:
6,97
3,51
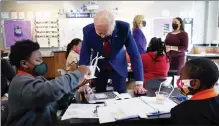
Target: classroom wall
128,10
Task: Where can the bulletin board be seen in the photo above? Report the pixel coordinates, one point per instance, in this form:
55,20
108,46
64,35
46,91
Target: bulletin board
47,33
15,30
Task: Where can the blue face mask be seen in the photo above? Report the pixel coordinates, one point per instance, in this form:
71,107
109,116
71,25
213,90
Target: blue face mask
41,69
144,23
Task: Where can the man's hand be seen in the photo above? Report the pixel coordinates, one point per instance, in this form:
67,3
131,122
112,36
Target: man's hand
139,89
84,69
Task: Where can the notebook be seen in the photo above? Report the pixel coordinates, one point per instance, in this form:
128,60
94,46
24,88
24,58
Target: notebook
162,108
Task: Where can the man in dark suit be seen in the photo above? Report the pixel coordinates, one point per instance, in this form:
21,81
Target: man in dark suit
198,78
108,37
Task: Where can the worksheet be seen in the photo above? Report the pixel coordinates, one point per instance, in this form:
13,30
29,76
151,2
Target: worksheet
87,111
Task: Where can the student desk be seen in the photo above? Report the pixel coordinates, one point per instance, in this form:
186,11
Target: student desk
214,57
163,119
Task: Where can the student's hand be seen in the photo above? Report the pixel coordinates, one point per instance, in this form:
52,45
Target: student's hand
85,89
84,69
139,89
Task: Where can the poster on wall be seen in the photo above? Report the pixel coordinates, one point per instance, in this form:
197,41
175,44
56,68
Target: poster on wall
14,15
21,15
188,25
162,27
15,30
4,15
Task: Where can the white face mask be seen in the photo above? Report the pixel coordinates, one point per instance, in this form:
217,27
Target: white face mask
184,85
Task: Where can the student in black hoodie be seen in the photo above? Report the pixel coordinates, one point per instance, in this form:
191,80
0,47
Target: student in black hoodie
197,78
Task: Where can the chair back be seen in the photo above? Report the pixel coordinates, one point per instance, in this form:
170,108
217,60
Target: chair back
152,85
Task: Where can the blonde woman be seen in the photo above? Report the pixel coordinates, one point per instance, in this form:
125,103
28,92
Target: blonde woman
138,23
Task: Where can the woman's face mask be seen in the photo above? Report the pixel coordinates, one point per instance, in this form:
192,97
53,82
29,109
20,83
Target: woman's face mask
144,23
175,26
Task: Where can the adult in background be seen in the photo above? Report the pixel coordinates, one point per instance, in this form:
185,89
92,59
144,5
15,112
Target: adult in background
108,37
141,42
177,44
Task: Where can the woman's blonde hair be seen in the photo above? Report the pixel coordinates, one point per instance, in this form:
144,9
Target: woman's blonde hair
138,19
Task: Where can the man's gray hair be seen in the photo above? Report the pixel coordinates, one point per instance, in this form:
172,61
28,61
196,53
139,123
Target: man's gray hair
105,17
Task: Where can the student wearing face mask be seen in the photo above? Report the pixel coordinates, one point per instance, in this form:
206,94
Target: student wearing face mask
73,53
138,23
33,100
197,78
177,44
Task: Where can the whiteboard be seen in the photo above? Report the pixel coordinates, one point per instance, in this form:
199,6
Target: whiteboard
71,28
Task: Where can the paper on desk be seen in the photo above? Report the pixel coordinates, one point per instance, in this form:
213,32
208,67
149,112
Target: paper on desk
81,111
165,107
125,96
123,109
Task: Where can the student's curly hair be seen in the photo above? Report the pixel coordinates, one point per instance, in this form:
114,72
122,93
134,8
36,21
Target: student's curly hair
74,42
203,69
156,44
22,50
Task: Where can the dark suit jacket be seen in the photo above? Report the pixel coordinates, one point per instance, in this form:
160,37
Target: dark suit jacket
121,37
195,112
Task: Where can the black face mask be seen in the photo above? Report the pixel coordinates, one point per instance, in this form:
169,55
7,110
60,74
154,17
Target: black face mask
144,23
175,26
104,39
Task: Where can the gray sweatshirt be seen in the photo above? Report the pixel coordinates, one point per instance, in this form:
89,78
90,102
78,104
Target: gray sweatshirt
33,101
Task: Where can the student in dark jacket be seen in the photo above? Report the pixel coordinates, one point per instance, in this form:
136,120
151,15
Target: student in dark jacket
7,74
33,100
197,78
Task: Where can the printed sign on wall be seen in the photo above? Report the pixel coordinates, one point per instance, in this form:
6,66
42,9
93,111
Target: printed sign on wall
15,30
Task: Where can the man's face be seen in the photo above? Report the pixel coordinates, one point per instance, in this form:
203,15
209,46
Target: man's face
102,29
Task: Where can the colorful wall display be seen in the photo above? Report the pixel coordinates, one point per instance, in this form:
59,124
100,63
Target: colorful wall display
15,30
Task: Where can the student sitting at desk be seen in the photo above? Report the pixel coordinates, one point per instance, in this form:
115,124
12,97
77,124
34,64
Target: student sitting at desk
198,78
72,54
33,100
155,61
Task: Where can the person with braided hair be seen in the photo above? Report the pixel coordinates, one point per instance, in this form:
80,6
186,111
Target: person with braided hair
73,54
155,60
